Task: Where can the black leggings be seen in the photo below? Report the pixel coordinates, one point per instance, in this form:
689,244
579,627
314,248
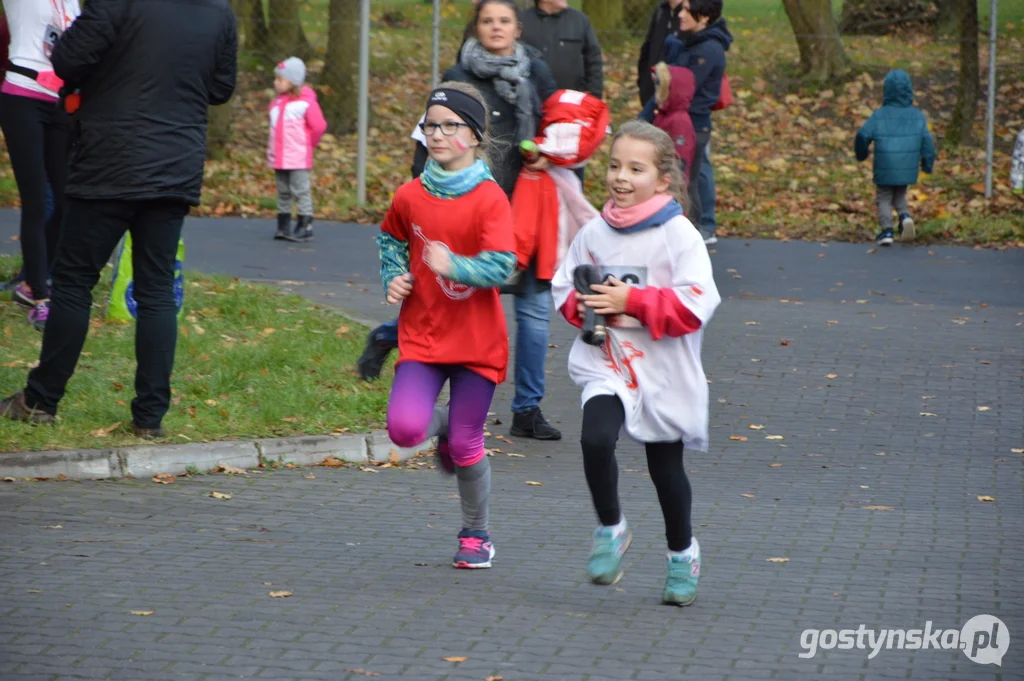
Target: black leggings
37,141
603,417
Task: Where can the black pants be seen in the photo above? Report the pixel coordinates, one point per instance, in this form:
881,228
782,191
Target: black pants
694,179
91,231
37,141
603,417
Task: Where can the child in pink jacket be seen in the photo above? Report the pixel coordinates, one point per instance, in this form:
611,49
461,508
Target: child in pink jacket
296,126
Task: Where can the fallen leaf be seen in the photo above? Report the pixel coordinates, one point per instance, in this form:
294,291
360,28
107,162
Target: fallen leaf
211,403
774,465
879,453
220,495
35,591
291,419
784,341
534,484
363,672
104,432
753,426
985,497
163,478
864,487
394,457
231,470
494,678
1017,451
984,408
51,527
778,560
455,658
774,437
142,612
309,477
280,594
367,469
747,495
341,330
517,456
928,413
332,462
878,508
752,323
831,375
10,479
737,438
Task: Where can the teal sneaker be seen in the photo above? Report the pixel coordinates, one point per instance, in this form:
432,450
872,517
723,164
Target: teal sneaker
605,564
683,575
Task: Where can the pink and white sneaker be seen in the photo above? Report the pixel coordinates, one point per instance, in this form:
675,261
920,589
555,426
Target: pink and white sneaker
22,295
38,315
475,550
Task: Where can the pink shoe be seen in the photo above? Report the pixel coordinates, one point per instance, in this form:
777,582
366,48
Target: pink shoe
22,295
38,315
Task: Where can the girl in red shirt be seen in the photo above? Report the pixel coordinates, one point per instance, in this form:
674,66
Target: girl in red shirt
446,243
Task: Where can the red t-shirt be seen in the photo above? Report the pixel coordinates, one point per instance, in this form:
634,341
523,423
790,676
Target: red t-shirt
443,322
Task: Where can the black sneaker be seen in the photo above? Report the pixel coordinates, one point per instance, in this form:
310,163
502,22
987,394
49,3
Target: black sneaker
374,355
533,424
284,226
148,433
884,238
303,229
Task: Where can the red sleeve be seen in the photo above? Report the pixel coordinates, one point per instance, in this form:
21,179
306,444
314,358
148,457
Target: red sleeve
570,312
495,221
395,223
661,311
315,121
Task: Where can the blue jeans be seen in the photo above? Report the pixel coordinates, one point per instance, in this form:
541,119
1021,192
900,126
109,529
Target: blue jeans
706,189
533,316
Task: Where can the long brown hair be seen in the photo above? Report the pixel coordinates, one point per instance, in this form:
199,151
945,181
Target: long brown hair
665,158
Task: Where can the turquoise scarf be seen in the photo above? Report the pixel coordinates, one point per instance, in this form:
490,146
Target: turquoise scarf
453,184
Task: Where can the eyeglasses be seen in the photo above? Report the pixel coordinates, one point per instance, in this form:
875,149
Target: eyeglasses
448,128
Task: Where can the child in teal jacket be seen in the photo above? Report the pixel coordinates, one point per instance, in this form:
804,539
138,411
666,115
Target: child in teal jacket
902,146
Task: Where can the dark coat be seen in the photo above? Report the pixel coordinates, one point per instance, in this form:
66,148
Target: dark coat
506,161
664,22
148,71
900,133
569,46
703,53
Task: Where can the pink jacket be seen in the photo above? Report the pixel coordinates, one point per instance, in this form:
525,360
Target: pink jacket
296,126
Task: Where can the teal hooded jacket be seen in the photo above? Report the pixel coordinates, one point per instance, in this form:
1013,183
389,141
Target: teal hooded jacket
900,134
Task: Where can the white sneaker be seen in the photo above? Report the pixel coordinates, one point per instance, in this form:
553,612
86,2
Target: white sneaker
709,240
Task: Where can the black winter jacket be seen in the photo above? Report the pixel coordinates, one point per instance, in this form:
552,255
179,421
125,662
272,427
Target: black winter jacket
664,22
569,46
506,161
148,71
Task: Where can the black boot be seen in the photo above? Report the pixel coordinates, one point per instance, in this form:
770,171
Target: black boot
533,424
284,226
303,229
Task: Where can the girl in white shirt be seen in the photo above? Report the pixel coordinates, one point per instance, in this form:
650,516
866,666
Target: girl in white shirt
35,129
646,378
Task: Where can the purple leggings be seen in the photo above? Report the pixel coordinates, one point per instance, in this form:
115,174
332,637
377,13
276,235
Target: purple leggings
414,393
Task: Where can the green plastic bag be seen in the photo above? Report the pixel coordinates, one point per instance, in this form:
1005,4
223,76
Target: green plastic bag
122,305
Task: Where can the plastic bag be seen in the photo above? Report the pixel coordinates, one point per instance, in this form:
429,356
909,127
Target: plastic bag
122,305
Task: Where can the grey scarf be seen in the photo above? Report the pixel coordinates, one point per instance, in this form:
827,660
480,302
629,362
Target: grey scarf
511,78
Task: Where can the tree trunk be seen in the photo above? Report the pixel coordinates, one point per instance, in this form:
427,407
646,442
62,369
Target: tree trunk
636,15
605,15
218,133
821,49
255,25
946,20
286,37
341,67
959,131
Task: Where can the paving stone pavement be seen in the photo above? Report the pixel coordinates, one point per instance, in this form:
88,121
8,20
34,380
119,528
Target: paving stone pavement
907,402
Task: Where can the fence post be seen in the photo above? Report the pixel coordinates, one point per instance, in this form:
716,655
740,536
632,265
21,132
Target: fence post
435,63
364,98
991,116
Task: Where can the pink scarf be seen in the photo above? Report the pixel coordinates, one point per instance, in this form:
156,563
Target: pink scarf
621,218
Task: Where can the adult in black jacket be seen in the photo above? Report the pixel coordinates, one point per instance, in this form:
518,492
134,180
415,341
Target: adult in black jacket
566,40
147,72
664,22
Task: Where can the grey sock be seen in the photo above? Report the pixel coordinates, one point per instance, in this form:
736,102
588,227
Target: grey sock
475,491
438,422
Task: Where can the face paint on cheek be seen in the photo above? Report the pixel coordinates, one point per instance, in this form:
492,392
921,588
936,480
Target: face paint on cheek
458,144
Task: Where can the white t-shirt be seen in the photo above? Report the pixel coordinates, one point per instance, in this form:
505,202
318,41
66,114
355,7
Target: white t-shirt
35,26
661,383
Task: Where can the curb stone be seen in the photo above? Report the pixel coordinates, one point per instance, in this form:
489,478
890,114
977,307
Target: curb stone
147,460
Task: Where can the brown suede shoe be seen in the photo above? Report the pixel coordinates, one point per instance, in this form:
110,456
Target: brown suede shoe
147,433
14,408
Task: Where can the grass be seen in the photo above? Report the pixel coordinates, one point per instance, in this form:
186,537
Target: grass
251,363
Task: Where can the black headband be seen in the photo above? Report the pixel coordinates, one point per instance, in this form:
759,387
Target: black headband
465,107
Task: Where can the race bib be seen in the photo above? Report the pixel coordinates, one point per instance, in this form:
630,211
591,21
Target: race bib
634,275
50,38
